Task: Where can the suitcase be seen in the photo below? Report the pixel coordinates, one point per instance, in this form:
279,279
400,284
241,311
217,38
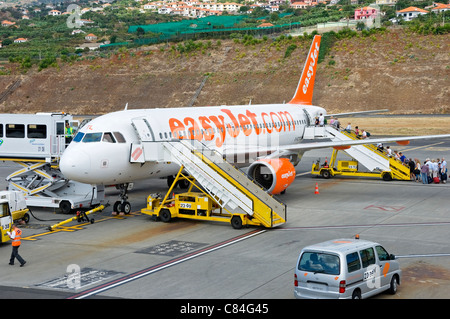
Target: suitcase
436,180
430,179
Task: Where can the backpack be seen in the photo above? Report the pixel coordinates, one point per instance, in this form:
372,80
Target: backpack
367,134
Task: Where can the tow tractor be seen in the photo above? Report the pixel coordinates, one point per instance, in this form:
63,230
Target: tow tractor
12,208
344,168
192,205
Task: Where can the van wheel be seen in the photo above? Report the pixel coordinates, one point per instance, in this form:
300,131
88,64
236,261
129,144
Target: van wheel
65,207
26,218
356,294
393,286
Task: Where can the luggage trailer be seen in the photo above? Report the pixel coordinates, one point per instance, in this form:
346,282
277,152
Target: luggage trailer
36,142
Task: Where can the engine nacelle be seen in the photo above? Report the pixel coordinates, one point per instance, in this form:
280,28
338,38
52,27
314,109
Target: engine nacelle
275,174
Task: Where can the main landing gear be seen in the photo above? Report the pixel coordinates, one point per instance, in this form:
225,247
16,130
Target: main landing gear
122,205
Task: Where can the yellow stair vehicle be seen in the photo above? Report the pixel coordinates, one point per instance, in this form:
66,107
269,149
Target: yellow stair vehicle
194,205
376,162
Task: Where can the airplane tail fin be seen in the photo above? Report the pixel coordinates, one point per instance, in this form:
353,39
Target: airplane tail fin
304,93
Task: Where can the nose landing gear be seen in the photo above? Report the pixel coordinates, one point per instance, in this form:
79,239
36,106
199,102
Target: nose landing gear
123,205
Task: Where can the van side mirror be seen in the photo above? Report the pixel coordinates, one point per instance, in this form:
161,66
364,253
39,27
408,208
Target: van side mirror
391,257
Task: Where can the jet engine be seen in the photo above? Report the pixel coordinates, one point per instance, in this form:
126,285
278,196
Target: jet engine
274,175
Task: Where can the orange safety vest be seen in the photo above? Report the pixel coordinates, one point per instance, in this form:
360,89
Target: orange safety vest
17,238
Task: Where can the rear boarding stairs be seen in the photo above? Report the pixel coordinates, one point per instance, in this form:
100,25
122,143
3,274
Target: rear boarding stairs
368,155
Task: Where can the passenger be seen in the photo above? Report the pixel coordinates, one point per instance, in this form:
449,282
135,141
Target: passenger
402,157
434,168
424,170
412,167
317,121
349,128
443,171
388,151
417,170
357,132
332,120
337,124
396,156
321,120
363,134
380,147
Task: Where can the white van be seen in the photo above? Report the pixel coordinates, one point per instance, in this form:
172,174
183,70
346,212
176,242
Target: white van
345,268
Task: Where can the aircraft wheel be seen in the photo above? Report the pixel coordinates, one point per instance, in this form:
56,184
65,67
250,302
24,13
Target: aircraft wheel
116,207
125,208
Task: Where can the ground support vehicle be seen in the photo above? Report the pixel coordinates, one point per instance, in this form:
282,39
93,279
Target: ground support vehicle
344,269
12,208
35,142
335,167
197,205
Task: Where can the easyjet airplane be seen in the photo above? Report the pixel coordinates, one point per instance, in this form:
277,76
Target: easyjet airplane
268,135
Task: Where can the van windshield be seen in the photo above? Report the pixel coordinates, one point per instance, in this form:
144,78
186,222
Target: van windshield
319,263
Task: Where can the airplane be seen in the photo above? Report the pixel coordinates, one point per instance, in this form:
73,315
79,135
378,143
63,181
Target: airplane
266,135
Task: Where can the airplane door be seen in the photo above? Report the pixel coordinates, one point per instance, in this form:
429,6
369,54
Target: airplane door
143,129
308,118
145,133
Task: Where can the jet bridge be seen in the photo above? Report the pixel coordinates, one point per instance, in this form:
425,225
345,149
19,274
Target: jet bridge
367,155
35,142
227,186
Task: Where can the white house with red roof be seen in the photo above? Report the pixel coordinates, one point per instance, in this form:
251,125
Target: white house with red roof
410,13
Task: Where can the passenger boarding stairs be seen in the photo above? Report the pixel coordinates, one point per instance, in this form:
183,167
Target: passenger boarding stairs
227,185
367,154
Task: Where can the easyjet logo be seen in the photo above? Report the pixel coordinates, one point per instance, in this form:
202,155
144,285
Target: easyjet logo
218,127
287,175
311,70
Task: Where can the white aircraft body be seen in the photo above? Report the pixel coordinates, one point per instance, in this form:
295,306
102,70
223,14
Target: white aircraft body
257,135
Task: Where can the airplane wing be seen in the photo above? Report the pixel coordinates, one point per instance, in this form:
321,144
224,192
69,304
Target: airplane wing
355,113
280,150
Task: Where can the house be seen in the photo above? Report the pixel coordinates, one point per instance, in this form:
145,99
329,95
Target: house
410,13
54,13
91,37
7,23
440,7
299,5
365,13
20,40
265,25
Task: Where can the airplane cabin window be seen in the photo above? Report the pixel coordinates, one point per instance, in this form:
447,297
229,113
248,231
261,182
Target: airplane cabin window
108,137
78,137
92,137
119,137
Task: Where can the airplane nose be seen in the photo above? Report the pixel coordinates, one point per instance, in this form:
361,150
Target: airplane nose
73,165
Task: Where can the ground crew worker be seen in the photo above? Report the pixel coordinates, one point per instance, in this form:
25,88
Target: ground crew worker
69,133
16,236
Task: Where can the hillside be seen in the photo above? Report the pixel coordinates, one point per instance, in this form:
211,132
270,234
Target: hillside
405,72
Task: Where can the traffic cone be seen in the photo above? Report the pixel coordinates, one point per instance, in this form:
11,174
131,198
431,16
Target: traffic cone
317,189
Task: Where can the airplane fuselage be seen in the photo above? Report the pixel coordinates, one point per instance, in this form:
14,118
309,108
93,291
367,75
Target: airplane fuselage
100,152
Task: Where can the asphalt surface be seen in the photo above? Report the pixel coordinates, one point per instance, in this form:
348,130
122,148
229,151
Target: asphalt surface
211,263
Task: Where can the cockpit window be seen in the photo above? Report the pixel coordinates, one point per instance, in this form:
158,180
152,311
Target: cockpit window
78,137
119,137
108,137
92,137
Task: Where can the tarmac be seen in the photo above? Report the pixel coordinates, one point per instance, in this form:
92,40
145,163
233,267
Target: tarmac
135,257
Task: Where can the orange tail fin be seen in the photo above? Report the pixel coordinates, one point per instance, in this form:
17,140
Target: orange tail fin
304,93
